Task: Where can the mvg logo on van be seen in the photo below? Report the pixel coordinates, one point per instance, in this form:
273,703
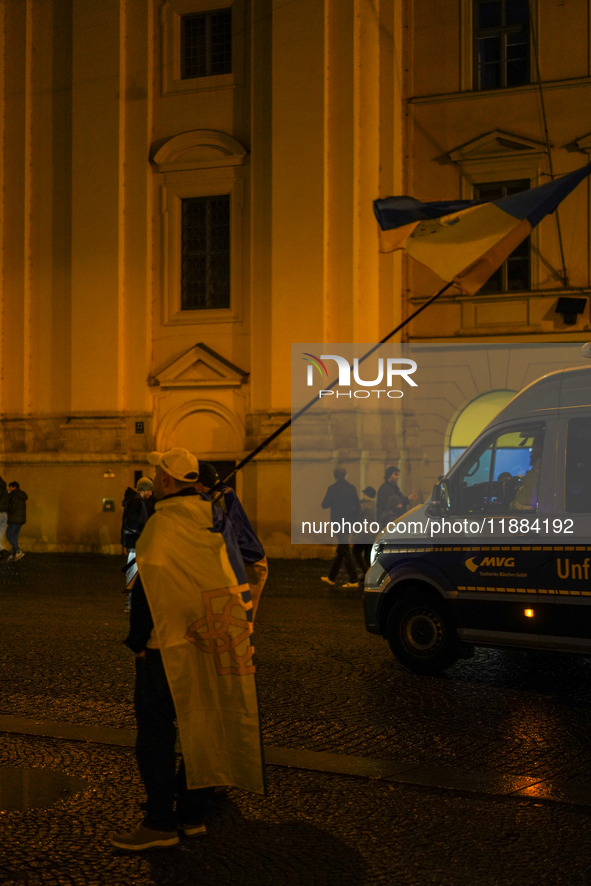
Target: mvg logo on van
396,367
509,562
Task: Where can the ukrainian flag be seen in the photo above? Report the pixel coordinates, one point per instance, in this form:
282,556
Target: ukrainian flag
200,604
465,241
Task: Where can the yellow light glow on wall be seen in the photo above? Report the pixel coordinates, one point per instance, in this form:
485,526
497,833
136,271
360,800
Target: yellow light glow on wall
529,613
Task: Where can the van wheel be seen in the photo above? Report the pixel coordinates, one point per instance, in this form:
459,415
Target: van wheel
421,633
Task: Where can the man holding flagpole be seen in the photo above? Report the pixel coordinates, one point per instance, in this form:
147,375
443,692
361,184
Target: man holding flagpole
190,627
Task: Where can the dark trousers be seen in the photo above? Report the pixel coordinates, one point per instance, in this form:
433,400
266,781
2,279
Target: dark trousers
12,534
155,751
343,554
360,557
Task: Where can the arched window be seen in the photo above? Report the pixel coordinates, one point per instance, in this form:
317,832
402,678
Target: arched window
472,420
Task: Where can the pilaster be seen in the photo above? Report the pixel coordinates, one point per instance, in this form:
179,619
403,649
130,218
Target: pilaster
97,227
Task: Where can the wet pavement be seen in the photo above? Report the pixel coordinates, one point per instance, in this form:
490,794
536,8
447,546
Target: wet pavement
377,776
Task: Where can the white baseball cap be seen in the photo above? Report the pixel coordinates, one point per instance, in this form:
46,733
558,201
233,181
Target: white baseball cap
179,463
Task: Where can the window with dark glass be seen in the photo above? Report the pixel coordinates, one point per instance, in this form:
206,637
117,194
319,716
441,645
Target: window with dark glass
501,43
206,44
514,273
205,253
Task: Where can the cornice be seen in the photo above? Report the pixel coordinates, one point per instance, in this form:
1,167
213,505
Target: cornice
483,94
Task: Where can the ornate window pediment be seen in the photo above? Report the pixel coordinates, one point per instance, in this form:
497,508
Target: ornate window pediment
496,144
199,149
498,157
200,367
502,159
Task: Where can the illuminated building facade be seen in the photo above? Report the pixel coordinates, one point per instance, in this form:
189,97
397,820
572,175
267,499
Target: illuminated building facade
496,101
188,190
481,125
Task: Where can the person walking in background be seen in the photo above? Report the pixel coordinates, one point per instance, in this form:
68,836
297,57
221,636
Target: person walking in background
3,515
138,505
341,498
251,549
17,516
391,503
367,505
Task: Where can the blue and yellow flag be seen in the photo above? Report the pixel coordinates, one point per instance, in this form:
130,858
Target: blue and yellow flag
465,241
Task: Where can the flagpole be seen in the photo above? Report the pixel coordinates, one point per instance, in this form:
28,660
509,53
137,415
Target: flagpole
305,408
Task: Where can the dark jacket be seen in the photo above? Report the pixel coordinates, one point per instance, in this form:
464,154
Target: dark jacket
388,501
17,508
3,496
342,500
136,511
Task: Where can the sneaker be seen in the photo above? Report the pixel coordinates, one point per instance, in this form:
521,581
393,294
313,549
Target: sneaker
10,557
351,584
193,830
326,579
145,838
19,555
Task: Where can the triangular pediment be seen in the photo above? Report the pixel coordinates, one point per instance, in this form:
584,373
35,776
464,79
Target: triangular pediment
496,144
200,367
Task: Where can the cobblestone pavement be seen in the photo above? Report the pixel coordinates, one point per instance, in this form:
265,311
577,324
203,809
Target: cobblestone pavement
312,830
325,685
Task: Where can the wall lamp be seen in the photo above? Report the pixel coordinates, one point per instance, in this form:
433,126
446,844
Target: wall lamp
570,308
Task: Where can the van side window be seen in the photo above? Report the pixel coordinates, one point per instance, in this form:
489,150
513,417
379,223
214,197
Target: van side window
503,475
577,485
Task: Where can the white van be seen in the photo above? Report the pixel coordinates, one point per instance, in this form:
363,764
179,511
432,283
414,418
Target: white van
501,553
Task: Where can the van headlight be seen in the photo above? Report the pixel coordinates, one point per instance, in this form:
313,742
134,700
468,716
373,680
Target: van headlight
376,550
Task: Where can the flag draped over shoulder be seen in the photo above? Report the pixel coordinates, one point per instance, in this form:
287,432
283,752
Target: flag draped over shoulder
201,620
465,241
